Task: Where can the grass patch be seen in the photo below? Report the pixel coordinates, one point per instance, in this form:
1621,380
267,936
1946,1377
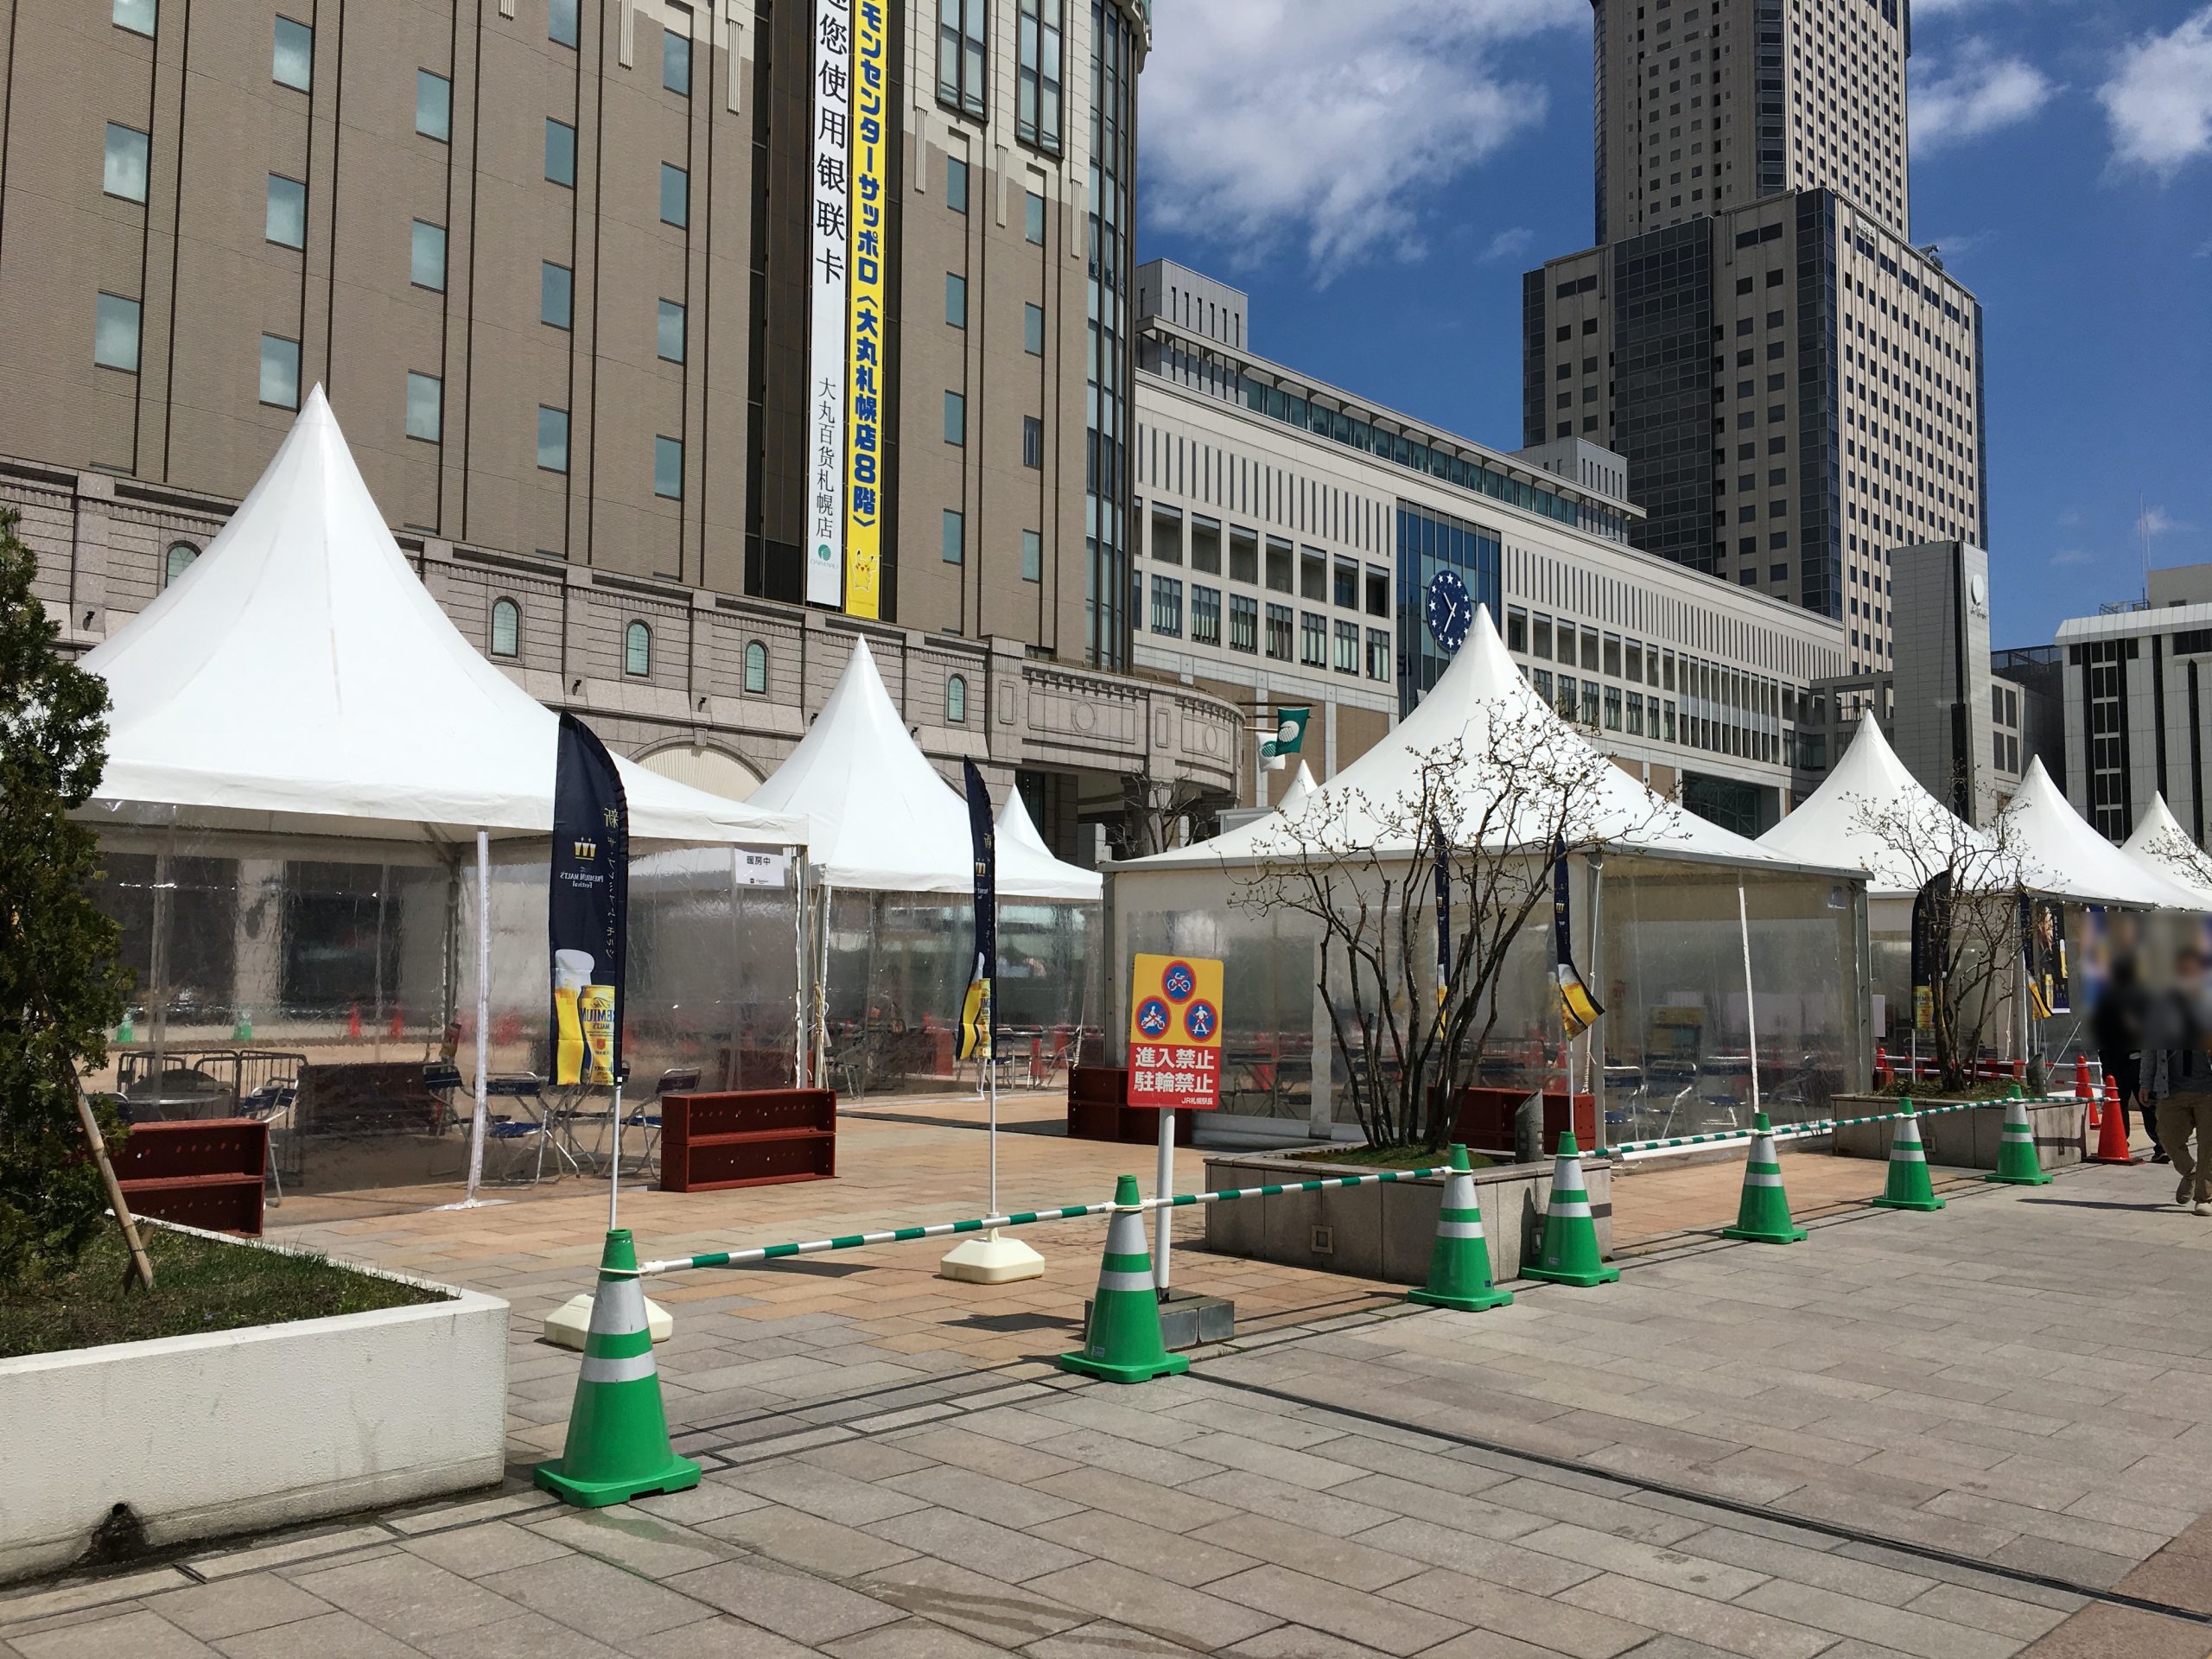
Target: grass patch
1386,1157
199,1285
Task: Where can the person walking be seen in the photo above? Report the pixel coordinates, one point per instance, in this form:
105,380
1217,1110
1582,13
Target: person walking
2117,1024
2177,1074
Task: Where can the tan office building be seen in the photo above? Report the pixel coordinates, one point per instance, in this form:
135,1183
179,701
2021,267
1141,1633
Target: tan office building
552,260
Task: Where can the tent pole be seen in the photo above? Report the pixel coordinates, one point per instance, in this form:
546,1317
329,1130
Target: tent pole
1751,1008
483,1008
1596,863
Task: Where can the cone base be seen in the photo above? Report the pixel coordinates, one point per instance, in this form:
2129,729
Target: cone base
1474,1304
1582,1277
678,1475
2038,1179
1106,1372
1887,1203
2094,1159
991,1260
1766,1236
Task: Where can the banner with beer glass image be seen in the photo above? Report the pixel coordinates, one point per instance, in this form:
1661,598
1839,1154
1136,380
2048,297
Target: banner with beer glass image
586,909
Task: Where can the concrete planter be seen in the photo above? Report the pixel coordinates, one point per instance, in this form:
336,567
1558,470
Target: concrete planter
238,1430
1966,1139
1384,1230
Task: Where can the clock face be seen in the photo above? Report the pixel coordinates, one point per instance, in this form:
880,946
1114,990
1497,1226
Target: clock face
1450,610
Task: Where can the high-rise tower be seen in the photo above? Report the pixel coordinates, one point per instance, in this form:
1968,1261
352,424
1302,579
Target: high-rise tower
1796,388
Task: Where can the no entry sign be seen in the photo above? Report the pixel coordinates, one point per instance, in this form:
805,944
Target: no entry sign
1175,1033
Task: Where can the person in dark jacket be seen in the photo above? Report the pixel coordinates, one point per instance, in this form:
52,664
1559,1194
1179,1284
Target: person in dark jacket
2117,1024
2177,1074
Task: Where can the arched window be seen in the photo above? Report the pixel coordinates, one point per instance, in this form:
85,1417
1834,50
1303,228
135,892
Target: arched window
756,667
181,556
506,627
637,649
956,700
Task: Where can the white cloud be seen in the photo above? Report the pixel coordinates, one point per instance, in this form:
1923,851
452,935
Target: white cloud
2157,521
2158,102
1326,125
1978,93
1507,245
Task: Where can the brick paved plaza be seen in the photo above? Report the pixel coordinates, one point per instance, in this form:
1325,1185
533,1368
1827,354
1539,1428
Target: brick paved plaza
1979,1432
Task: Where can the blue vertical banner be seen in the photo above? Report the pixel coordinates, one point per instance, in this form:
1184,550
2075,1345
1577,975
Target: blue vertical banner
975,1022
1578,1008
587,906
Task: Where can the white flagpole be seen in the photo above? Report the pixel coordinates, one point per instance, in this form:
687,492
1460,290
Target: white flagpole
483,1009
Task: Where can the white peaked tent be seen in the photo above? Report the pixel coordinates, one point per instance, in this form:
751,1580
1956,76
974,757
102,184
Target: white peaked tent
298,676
2161,846
1302,785
1028,864
2064,853
1481,686
1828,827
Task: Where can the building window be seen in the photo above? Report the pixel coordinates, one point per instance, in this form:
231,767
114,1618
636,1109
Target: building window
1033,224
292,63
1033,556
1167,534
425,407
179,559
137,16
674,196
561,21
956,184
756,668
1032,442
280,371
115,333
668,332
1590,702
956,538
285,220
556,295
123,172
426,265
560,152
1279,556
1312,640
676,53
637,649
1635,713
956,700
668,468
1037,77
1244,622
1347,647
1346,593
552,439
956,300
1278,633
961,54
1243,554
1205,545
433,105
956,418
1612,707
1206,615
1033,329
506,627
1167,607
1378,653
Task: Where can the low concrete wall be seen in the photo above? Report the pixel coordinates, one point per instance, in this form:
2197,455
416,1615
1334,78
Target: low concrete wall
1965,1140
237,1430
1383,1230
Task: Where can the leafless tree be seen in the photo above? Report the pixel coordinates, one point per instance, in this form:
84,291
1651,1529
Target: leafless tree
1970,924
1498,804
1156,812
2180,858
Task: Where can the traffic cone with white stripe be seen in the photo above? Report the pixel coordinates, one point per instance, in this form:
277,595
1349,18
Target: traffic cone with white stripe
1907,1186
2017,1163
1567,1253
618,1447
1763,1217
1459,1267
1123,1343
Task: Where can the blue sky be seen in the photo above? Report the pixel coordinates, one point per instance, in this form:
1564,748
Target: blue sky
1378,174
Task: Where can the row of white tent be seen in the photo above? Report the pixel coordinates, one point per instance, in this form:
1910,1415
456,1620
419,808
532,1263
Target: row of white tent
299,678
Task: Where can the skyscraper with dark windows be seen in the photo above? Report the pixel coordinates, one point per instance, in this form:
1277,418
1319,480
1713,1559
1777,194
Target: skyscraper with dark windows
1796,387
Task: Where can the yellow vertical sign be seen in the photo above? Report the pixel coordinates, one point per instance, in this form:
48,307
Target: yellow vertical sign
868,378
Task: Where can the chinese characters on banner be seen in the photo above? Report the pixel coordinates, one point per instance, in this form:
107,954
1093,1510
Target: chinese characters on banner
826,370
1175,1033
870,370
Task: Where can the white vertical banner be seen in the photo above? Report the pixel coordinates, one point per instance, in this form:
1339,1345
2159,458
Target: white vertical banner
831,189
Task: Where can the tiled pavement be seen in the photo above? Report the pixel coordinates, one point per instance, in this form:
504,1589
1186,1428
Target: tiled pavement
2024,1381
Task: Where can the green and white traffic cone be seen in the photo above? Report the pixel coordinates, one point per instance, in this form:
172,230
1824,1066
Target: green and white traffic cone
1907,1186
1567,1253
1124,1343
2017,1163
1762,1215
618,1447
1459,1267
